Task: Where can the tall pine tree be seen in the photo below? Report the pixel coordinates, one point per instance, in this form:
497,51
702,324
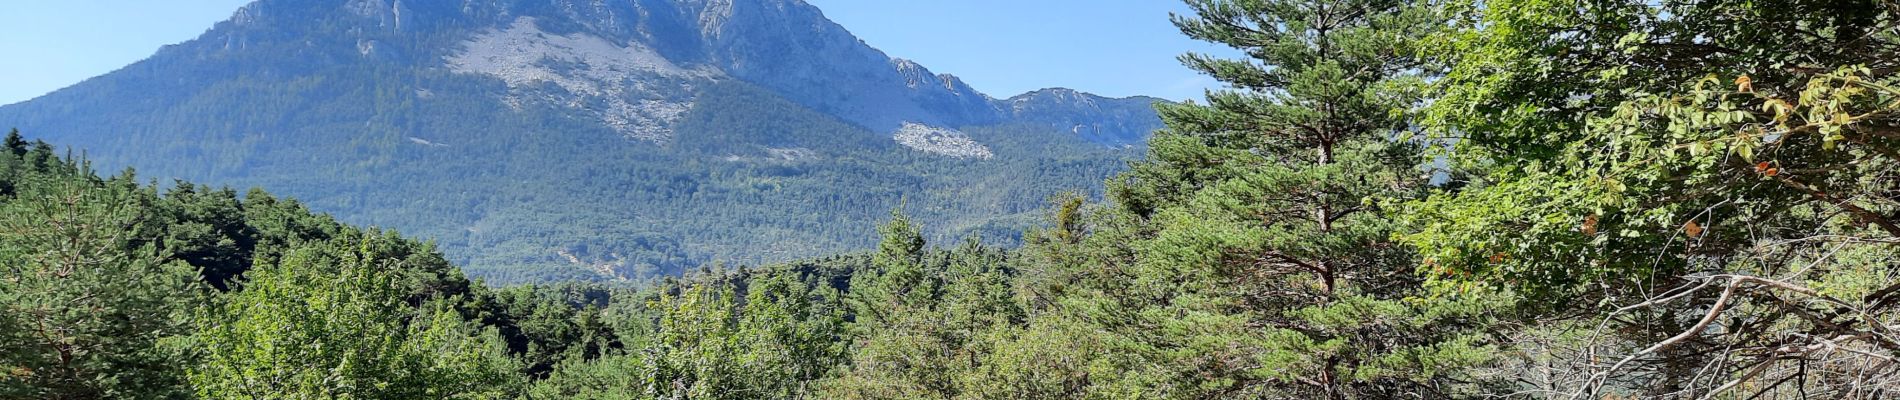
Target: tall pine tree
88,302
1250,256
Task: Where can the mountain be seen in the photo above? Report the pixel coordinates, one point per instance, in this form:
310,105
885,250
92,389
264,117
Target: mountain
1101,120
571,139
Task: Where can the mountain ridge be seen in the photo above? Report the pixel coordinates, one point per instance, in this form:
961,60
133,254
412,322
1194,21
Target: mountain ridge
517,132
730,35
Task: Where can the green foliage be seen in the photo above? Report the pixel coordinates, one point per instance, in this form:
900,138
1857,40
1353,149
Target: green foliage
548,324
1249,256
109,288
331,322
88,302
896,283
210,231
713,340
1640,199
924,319
1619,158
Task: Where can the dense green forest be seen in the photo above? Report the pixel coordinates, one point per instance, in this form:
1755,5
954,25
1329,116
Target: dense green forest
1396,199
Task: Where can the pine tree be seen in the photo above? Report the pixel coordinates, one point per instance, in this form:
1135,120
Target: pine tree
206,228
15,143
897,280
788,339
86,300
897,336
1249,256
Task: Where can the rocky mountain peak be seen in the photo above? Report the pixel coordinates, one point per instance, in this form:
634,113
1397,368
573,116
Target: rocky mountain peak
620,61
519,132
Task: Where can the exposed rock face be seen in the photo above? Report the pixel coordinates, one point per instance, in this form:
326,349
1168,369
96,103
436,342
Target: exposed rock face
789,46
383,13
633,64
632,89
949,142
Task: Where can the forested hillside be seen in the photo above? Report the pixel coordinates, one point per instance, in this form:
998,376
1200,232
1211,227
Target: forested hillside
114,289
542,141
1502,199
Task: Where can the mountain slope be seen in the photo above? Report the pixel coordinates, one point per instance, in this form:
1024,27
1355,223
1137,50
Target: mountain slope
620,139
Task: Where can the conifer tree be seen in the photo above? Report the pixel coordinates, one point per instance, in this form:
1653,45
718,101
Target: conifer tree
897,280
1258,261
15,143
87,301
206,229
897,343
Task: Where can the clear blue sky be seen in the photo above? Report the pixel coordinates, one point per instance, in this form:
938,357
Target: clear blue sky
50,44
1001,47
1006,47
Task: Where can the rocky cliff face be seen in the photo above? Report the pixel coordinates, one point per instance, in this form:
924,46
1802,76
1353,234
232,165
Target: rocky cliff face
634,63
